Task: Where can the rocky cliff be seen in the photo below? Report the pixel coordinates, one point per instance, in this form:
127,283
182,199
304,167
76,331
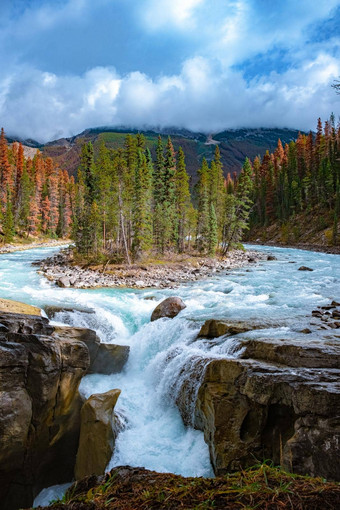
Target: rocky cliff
40,371
39,407
279,400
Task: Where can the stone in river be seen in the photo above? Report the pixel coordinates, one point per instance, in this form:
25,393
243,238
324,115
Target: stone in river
170,307
63,282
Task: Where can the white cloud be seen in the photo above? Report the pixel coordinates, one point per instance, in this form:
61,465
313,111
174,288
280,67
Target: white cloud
162,13
245,30
201,98
211,37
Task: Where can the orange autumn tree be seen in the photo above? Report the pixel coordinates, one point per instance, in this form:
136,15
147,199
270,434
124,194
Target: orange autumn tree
35,195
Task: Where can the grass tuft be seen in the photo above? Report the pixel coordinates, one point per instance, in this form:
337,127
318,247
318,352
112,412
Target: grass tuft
260,487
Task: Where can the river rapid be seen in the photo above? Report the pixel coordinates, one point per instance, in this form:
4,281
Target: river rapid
165,352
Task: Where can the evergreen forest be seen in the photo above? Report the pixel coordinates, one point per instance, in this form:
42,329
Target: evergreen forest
126,205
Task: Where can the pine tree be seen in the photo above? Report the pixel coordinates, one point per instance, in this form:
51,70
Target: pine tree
6,181
213,237
238,209
19,172
220,191
168,233
94,229
183,202
85,199
8,224
88,168
107,198
142,224
202,235
158,197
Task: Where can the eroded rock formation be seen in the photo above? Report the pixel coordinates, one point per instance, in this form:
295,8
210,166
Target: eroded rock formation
40,370
104,358
39,407
279,400
97,434
214,328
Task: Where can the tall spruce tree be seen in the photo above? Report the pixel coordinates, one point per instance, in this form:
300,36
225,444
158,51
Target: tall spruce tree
203,213
169,204
158,196
238,209
8,223
142,218
213,235
183,202
220,191
85,235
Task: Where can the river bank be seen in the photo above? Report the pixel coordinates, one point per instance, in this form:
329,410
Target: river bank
335,250
62,269
50,243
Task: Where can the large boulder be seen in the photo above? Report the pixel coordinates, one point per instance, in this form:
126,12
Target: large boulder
110,359
97,434
170,307
104,358
39,407
214,328
26,324
279,400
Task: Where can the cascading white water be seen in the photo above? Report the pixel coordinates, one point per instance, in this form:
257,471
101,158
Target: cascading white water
166,353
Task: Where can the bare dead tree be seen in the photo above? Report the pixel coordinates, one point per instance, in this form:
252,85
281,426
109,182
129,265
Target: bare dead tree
336,86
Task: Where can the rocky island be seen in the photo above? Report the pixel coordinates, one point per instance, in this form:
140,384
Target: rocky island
63,269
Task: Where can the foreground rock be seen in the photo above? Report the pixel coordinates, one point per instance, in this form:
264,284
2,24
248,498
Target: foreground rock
129,488
279,400
104,358
39,408
170,307
61,269
40,371
97,434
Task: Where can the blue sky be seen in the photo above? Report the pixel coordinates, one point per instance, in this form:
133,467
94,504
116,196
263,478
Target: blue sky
205,65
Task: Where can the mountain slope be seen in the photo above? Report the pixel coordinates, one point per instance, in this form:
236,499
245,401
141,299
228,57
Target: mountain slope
235,145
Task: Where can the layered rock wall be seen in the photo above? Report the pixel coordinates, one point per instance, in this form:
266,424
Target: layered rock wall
41,367
279,400
39,407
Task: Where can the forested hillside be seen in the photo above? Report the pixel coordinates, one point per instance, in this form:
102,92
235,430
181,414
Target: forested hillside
296,193
35,195
127,203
